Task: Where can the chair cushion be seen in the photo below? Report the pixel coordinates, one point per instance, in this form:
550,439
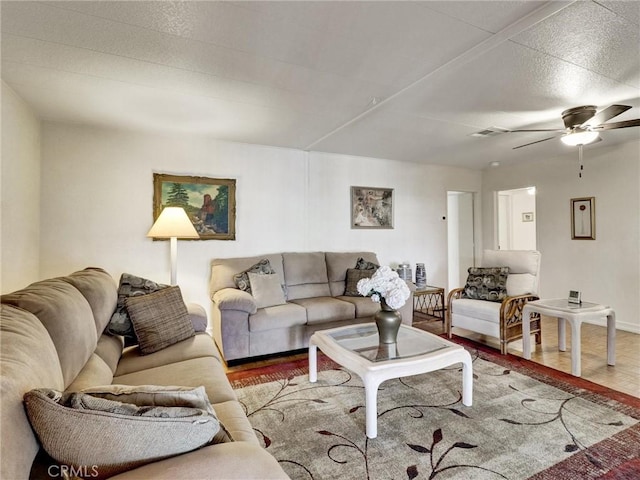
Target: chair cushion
480,309
524,268
78,430
159,319
521,284
486,284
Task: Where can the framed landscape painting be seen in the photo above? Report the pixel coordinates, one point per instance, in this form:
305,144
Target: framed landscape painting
210,203
371,207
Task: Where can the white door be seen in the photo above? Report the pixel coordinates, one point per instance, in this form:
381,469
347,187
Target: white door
461,237
517,219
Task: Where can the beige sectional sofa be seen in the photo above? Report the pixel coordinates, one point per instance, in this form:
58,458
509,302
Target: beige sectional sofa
52,337
314,299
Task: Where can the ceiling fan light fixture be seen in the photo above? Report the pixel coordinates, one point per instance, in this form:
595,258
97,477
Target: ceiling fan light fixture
579,138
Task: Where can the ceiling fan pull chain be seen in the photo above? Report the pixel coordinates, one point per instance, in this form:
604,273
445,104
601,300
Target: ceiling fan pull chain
580,159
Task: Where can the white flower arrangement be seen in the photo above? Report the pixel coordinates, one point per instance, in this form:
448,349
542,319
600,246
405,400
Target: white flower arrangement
385,285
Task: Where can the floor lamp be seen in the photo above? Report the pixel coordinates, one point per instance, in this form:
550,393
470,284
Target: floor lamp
173,223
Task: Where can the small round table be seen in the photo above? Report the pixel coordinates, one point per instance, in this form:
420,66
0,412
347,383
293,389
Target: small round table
575,314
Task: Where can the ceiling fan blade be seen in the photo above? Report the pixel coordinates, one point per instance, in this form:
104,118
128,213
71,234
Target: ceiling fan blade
533,143
612,126
606,114
538,130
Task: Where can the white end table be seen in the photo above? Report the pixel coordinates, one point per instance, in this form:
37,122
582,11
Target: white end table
575,314
357,348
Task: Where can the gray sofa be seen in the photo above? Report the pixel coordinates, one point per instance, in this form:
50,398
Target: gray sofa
314,283
52,337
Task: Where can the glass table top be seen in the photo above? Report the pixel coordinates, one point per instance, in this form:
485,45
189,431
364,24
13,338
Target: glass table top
363,340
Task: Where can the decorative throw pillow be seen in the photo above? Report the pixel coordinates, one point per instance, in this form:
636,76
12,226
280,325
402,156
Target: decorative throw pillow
242,279
353,276
266,289
130,286
159,319
161,396
362,264
486,284
78,429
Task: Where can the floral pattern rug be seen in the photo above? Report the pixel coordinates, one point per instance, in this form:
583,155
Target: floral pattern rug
525,422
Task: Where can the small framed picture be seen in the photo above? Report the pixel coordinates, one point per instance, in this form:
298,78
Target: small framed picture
371,207
527,216
583,218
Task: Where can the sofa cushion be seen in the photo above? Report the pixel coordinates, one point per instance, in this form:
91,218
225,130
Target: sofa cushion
326,309
241,279
159,319
79,429
279,316
29,360
130,286
95,372
52,300
354,275
194,372
486,284
337,265
200,345
305,275
365,307
100,290
223,270
266,289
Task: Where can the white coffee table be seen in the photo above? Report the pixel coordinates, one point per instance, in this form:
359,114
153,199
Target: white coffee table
356,348
575,314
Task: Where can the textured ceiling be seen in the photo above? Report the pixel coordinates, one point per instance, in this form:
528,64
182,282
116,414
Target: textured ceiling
403,80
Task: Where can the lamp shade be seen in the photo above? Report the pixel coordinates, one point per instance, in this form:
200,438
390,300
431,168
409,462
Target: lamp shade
173,222
579,138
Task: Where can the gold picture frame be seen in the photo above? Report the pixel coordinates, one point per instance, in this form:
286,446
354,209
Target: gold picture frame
371,207
583,218
210,203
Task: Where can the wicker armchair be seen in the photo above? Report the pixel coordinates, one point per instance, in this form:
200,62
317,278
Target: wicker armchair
500,320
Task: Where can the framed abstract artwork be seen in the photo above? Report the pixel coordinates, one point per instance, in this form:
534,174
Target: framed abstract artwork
371,207
210,203
583,218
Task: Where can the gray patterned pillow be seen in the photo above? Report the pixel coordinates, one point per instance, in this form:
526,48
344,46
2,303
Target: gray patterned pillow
486,284
362,264
242,279
354,275
78,429
130,286
159,319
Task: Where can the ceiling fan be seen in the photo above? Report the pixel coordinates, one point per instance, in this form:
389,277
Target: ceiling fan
583,124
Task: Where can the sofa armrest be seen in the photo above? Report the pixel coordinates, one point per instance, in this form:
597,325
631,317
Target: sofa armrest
234,299
198,317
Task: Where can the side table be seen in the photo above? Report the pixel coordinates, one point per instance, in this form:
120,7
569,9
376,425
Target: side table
575,314
429,300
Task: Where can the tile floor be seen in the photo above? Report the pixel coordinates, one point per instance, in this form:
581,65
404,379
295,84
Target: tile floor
623,377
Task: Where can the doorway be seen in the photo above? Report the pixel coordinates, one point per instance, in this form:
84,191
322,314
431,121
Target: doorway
517,219
460,236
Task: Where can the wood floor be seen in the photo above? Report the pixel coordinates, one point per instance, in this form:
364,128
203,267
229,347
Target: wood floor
623,377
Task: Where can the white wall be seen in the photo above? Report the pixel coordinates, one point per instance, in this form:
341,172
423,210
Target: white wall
97,203
20,193
606,270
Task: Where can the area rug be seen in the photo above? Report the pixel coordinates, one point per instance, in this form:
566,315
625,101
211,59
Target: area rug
526,421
